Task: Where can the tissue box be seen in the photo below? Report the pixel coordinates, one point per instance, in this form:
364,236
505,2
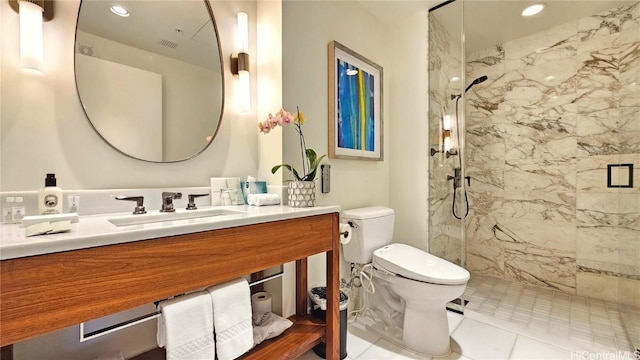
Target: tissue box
226,191
253,187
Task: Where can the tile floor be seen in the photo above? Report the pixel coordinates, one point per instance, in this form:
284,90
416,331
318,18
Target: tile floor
554,316
470,339
506,320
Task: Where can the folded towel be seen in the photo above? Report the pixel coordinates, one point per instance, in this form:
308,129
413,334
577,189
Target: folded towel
263,199
268,325
185,327
232,318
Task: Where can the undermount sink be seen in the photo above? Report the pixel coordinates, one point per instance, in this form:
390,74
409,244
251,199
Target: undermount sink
154,217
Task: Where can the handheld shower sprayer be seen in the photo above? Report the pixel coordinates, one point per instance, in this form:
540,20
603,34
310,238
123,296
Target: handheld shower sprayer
458,180
475,82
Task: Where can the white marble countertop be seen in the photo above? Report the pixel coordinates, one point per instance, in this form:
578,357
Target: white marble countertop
96,230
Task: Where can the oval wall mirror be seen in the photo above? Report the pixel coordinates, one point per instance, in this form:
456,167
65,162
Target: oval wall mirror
150,78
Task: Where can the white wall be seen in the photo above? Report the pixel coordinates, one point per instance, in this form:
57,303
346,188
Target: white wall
43,128
307,29
305,84
408,87
189,95
400,181
135,126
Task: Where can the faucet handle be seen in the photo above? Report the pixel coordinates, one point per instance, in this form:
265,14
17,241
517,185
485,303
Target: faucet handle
139,209
167,200
192,204
171,195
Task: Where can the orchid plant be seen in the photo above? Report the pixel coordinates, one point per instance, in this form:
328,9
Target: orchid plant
310,160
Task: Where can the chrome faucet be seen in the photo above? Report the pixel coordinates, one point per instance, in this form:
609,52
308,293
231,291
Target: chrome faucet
167,200
139,209
192,201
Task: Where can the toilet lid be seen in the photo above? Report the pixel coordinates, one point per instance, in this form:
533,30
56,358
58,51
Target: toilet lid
412,263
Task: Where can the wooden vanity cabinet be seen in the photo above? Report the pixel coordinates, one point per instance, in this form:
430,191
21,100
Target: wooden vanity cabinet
44,293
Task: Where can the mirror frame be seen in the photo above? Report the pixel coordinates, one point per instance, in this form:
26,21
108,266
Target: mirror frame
222,78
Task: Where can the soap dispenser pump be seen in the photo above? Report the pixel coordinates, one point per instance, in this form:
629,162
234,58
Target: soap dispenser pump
50,197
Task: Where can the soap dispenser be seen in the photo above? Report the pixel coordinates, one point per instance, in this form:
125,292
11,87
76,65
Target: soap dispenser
50,197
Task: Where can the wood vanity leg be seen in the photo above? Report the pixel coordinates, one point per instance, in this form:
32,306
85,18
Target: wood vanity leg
255,277
6,352
301,287
333,294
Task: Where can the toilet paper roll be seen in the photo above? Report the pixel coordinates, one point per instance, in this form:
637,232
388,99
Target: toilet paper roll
345,233
261,302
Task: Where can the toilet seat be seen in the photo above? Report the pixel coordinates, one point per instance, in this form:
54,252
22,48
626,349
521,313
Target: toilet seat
415,264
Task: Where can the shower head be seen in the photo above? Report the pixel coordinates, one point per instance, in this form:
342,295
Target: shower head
477,81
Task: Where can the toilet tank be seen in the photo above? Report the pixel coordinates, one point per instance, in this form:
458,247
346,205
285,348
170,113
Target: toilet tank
373,230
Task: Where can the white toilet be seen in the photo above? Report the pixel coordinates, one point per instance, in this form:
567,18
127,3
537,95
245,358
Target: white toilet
425,282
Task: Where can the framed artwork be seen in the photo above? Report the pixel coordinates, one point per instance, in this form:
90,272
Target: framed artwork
355,105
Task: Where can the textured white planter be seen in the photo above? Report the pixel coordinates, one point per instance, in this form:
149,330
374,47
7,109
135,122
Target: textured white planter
301,193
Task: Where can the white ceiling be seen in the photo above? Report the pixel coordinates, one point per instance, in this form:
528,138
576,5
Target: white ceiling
153,25
486,22
489,22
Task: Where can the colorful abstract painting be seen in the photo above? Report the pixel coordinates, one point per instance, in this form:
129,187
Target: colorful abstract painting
355,105
356,101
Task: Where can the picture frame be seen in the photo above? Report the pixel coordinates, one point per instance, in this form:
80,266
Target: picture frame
355,105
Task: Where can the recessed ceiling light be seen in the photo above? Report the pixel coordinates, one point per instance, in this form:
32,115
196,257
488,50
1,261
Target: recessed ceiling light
352,72
119,10
533,9
455,78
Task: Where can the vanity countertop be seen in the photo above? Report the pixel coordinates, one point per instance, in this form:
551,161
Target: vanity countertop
96,230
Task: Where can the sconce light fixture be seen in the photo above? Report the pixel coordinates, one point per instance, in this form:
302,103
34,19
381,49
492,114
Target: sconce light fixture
446,143
240,64
32,14
446,132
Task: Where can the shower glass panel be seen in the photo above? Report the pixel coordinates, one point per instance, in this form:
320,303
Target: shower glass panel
446,79
550,143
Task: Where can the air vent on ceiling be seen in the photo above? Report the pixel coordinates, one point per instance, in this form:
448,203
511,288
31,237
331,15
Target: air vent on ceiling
169,44
85,50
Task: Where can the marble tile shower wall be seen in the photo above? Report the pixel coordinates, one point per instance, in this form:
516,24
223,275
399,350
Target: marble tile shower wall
445,62
557,108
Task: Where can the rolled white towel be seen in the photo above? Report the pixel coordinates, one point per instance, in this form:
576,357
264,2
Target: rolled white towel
263,199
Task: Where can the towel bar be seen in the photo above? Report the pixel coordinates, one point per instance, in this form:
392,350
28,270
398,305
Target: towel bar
139,320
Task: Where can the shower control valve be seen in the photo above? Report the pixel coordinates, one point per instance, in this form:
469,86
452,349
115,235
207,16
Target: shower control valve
457,181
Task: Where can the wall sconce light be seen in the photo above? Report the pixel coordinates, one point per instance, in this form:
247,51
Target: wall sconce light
240,65
32,13
446,143
446,132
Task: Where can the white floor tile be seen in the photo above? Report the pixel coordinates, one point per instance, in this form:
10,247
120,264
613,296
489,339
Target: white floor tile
528,348
358,341
309,355
383,349
453,356
481,341
454,320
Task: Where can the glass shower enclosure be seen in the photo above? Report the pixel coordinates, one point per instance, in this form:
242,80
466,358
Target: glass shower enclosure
544,151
